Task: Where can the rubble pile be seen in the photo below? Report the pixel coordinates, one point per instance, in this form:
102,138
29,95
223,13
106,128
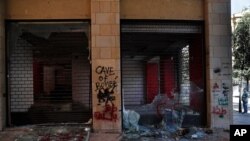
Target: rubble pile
162,123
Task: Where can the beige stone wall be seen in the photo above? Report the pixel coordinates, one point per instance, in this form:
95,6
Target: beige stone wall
218,50
2,67
47,9
80,9
162,9
105,55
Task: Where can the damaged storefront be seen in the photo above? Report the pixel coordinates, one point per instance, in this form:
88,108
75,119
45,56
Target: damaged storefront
144,67
49,72
162,75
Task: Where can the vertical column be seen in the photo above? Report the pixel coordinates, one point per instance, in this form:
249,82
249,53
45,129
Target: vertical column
219,60
2,66
105,55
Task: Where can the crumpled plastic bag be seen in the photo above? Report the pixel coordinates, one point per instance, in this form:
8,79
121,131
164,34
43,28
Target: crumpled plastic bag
130,120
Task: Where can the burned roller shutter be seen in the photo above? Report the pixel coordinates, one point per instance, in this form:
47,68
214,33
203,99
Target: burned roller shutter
163,67
49,72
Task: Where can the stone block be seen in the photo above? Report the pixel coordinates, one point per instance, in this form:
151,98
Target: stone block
215,62
214,18
106,30
221,51
105,18
103,62
93,41
211,51
220,7
214,41
118,64
95,30
95,6
115,52
115,6
209,6
117,18
115,29
105,53
95,53
105,6
117,41
221,30
225,18
105,41
225,41
93,18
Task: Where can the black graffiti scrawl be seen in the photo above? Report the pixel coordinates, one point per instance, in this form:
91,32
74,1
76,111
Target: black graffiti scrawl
105,85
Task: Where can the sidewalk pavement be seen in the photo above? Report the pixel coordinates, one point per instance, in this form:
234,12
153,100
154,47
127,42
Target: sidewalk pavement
26,133
242,119
14,134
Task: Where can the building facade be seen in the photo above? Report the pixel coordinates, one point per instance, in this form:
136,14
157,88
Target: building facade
236,17
71,61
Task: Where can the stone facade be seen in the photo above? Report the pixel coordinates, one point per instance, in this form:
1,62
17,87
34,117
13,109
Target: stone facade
218,45
105,51
105,59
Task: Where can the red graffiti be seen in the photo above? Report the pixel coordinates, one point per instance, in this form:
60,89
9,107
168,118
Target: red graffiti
109,113
216,86
219,111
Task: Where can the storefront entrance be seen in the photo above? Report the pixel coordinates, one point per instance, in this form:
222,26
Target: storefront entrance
163,71
49,72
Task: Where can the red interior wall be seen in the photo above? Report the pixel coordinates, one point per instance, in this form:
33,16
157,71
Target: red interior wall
167,76
152,81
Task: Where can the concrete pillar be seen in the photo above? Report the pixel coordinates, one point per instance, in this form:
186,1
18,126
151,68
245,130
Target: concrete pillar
2,67
105,60
219,62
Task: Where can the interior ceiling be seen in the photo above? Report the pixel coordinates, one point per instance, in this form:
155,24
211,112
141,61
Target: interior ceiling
153,43
56,39
69,38
157,38
57,43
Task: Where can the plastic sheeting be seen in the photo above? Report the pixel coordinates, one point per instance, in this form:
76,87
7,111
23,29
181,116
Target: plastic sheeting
130,120
138,122
161,108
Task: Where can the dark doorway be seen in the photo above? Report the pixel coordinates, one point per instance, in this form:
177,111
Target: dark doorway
49,72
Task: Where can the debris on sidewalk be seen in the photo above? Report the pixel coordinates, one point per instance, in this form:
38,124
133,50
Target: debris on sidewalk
183,134
54,132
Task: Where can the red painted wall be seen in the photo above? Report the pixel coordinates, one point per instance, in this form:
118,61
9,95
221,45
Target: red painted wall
167,76
152,85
